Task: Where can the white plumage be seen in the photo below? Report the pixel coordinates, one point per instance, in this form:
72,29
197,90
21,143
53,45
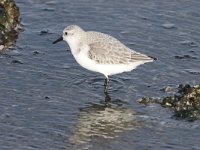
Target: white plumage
100,52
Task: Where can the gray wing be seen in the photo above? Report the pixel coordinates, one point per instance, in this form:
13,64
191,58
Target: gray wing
115,53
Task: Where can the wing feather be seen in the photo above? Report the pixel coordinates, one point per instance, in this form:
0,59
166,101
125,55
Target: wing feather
114,53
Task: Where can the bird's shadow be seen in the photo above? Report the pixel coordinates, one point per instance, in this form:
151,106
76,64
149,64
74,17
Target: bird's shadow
99,121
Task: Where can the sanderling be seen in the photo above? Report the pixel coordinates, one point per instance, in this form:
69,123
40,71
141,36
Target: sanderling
101,53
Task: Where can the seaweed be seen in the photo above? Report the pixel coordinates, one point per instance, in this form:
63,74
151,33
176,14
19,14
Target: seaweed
185,102
9,23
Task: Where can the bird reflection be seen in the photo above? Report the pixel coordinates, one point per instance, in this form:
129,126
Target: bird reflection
106,120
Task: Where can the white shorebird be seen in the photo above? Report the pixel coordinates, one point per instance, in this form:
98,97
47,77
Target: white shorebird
101,53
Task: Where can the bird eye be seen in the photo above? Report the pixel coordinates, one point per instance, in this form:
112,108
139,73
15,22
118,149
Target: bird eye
65,33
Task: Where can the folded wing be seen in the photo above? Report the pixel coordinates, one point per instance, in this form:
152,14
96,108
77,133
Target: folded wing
115,53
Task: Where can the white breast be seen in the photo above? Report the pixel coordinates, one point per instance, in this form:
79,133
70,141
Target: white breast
82,58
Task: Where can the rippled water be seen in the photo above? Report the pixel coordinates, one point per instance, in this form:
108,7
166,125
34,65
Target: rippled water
49,102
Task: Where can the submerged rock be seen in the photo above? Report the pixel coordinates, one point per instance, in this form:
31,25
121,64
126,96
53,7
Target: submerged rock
9,23
168,25
185,102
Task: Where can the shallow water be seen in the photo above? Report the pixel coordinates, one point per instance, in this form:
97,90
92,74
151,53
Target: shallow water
49,102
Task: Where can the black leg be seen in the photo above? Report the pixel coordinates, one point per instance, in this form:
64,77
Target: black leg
106,83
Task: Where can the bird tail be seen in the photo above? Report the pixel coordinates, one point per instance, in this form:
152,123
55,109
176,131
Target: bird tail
154,58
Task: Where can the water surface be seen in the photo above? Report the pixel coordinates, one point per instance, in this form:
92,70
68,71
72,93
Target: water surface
49,102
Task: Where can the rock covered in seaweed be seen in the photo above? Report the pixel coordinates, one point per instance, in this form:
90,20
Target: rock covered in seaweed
9,23
185,102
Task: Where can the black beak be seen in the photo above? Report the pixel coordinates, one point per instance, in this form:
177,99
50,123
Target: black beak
58,40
